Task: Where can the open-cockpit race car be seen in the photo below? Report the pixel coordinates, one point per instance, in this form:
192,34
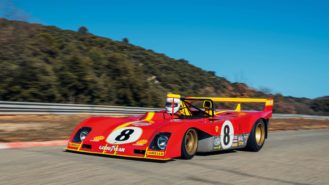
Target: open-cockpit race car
186,126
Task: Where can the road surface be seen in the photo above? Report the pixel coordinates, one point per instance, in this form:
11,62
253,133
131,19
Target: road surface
289,157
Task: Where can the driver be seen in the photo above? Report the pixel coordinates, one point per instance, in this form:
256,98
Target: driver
173,105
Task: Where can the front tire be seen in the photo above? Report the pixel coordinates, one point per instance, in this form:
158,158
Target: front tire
189,144
256,138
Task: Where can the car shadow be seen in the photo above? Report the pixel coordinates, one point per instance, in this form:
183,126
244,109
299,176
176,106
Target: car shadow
221,152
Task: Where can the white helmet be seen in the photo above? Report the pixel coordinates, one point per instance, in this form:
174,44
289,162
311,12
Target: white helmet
169,108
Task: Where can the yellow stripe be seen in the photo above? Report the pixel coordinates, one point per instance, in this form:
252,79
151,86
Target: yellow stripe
149,116
81,151
104,150
116,149
219,112
124,125
80,145
146,152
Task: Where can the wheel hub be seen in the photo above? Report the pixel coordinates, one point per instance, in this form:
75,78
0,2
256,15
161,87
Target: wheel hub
260,134
191,142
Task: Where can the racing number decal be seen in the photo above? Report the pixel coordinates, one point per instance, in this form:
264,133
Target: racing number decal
124,135
227,134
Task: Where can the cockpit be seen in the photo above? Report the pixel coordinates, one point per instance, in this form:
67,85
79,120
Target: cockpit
189,108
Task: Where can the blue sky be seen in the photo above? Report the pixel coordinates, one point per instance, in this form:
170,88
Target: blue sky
279,45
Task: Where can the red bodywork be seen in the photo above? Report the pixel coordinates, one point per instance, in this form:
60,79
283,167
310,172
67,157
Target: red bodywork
153,123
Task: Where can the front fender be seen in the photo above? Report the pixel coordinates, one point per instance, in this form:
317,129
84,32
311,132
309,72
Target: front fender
174,146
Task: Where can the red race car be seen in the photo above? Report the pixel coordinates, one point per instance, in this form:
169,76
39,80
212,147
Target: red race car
186,126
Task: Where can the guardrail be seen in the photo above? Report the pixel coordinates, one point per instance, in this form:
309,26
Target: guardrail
13,108
299,116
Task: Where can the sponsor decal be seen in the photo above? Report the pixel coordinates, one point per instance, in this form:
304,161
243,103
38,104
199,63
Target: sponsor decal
155,153
216,141
98,138
141,142
241,140
216,128
235,145
217,148
74,145
245,137
112,148
235,142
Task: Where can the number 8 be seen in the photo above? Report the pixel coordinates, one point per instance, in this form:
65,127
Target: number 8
124,135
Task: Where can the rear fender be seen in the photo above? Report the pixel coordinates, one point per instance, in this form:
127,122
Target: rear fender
254,121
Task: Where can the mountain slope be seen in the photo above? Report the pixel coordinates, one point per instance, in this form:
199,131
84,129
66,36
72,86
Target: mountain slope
44,63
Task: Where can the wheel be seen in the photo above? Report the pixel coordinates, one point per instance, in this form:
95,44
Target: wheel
189,144
256,138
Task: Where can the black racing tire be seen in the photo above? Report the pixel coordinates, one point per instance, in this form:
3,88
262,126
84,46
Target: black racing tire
257,137
189,144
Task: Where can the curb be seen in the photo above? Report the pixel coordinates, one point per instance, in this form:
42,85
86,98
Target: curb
13,145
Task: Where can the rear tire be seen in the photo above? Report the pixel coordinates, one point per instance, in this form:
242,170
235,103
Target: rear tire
189,144
256,138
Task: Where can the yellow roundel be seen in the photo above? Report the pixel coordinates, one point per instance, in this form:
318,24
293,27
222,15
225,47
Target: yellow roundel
98,138
141,142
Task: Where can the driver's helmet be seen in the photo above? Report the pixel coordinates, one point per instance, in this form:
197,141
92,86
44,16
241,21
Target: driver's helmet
169,108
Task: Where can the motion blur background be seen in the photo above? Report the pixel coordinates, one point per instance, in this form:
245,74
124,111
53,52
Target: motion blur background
278,45
96,54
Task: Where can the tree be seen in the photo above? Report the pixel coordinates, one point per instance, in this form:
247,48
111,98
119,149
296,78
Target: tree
83,30
125,40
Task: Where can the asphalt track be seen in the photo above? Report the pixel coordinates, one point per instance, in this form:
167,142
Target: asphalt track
289,157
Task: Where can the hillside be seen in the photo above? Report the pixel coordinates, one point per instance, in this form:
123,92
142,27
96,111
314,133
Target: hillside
47,64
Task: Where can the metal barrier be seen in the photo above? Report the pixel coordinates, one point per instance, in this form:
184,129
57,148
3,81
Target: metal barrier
13,108
299,116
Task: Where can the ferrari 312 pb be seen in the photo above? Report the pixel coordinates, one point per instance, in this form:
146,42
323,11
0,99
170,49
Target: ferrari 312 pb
186,126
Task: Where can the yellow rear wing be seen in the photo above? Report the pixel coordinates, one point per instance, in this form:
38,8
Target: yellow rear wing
267,101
